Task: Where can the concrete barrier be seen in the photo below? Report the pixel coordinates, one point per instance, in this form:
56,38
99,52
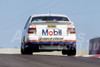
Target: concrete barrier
9,51
17,51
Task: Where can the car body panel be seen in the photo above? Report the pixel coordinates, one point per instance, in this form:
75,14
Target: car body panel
50,35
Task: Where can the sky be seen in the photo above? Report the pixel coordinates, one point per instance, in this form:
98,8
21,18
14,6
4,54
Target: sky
14,13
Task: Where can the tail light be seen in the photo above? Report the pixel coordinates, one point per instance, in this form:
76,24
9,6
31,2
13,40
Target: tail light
32,30
71,30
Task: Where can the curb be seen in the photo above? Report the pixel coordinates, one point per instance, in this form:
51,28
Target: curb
93,56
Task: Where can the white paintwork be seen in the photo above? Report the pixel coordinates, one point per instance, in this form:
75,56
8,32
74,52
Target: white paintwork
63,25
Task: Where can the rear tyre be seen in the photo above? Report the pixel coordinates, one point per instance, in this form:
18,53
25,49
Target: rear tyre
26,51
64,52
71,51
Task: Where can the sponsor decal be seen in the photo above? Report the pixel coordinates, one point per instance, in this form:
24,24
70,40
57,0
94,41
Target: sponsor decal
51,32
50,39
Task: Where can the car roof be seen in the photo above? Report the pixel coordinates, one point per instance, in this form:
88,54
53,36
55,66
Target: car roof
49,15
59,15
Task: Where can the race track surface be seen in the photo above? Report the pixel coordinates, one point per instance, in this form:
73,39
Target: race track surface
17,60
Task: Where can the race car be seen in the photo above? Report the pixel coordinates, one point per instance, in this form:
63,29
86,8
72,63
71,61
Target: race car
49,32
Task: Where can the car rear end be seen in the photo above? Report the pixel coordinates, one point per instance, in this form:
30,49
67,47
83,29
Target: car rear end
51,35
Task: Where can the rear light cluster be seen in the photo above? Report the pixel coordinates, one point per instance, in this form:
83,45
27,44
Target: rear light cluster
32,30
71,30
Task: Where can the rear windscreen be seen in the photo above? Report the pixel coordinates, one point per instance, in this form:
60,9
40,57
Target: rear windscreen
49,18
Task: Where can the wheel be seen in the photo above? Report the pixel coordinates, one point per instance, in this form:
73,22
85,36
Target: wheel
71,51
64,52
26,51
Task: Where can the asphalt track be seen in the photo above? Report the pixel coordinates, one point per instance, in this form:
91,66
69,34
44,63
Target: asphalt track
17,60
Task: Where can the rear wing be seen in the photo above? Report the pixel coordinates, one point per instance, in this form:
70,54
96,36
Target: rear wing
53,22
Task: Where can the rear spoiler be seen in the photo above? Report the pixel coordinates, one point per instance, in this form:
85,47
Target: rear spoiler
57,22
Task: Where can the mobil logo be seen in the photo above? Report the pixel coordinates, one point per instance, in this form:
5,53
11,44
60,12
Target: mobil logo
51,32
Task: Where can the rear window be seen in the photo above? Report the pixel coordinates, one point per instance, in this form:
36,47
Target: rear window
49,18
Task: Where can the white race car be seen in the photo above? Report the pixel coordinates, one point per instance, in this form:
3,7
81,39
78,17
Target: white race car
49,32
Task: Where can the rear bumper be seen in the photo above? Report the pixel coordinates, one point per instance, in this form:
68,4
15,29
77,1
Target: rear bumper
51,43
